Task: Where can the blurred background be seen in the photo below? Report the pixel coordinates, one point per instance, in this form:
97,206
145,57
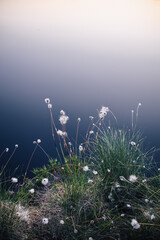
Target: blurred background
82,54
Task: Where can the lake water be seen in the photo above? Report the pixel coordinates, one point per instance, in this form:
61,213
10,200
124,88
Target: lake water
82,55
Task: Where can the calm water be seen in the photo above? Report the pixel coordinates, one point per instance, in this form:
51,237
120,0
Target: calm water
82,55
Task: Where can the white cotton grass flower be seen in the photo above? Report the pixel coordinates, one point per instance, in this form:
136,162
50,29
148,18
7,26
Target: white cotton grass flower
85,168
128,205
34,142
22,213
47,100
95,172
62,222
45,221
62,112
45,181
146,200
38,140
63,119
103,112
75,231
80,148
49,105
16,145
14,180
104,218
90,238
91,132
90,181
91,118
31,190
7,149
108,170
135,224
122,215
144,180
117,185
60,133
133,143
153,217
132,178
79,119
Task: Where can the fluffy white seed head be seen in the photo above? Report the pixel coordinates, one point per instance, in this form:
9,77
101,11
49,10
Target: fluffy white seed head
103,112
85,168
31,190
133,143
38,140
47,100
62,112
132,178
90,181
45,221
7,149
135,224
75,231
79,119
14,180
122,178
80,148
49,105
95,172
62,222
16,145
45,181
63,119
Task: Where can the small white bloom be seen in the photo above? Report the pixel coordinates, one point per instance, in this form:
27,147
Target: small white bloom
92,222
146,214
34,142
158,169
91,117
62,168
85,168
14,180
45,220
95,172
104,218
47,100
103,112
146,200
59,132
133,143
122,215
7,149
90,181
61,222
16,146
49,105
90,238
122,178
63,119
45,181
75,231
70,144
91,132
31,190
153,217
144,180
64,134
78,119
139,104
62,112
38,140
128,205
132,178
80,148
108,170
135,224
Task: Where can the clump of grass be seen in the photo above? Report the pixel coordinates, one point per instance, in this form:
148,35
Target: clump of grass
105,188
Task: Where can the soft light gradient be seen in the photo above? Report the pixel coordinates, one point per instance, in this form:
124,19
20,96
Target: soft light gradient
82,54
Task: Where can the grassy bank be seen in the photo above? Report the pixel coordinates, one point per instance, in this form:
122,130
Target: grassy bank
105,188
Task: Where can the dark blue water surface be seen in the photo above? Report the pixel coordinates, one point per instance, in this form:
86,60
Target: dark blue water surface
80,66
